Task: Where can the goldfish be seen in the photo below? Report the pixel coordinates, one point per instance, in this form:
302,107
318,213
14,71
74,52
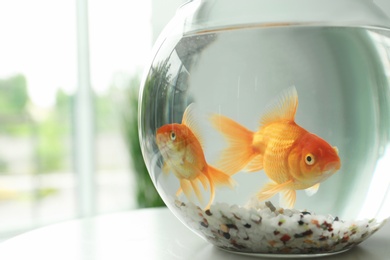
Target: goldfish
181,147
291,157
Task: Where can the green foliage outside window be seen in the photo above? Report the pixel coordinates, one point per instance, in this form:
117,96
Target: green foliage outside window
147,195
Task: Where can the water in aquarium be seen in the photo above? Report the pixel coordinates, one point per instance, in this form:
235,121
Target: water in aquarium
247,106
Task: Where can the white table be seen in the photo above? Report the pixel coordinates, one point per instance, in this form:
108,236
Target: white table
143,234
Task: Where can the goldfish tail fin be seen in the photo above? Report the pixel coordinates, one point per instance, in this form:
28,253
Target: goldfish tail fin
240,139
271,189
287,198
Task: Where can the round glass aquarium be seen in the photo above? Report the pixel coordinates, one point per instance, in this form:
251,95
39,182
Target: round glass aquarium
265,124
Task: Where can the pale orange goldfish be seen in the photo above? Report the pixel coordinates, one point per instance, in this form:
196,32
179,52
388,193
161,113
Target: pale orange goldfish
292,158
181,148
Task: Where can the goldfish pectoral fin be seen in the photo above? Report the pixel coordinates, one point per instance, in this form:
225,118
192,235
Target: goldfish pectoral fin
266,192
312,190
255,165
276,187
283,108
287,199
212,189
203,179
239,152
179,191
271,189
186,187
165,169
196,189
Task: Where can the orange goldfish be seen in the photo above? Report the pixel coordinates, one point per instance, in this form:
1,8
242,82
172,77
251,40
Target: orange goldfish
293,158
181,148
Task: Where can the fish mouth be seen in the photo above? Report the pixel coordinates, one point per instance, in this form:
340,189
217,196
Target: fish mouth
163,147
331,167
161,143
160,139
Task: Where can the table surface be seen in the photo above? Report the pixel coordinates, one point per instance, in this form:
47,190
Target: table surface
143,234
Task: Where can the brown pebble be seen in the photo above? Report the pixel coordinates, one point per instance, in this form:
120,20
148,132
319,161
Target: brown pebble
208,212
285,238
224,228
270,206
323,238
256,219
247,225
345,239
308,241
272,242
303,234
179,204
204,223
236,245
233,226
315,222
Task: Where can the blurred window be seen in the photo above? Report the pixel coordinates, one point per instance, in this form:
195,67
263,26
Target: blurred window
53,57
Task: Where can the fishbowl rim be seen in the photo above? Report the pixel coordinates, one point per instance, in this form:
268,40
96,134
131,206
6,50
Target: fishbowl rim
198,15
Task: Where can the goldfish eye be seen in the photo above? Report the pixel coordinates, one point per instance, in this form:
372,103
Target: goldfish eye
309,159
173,136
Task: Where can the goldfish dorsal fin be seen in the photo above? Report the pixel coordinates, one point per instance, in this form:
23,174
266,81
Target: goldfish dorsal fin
284,108
190,121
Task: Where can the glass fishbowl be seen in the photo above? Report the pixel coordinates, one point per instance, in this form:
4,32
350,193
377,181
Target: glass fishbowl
265,124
